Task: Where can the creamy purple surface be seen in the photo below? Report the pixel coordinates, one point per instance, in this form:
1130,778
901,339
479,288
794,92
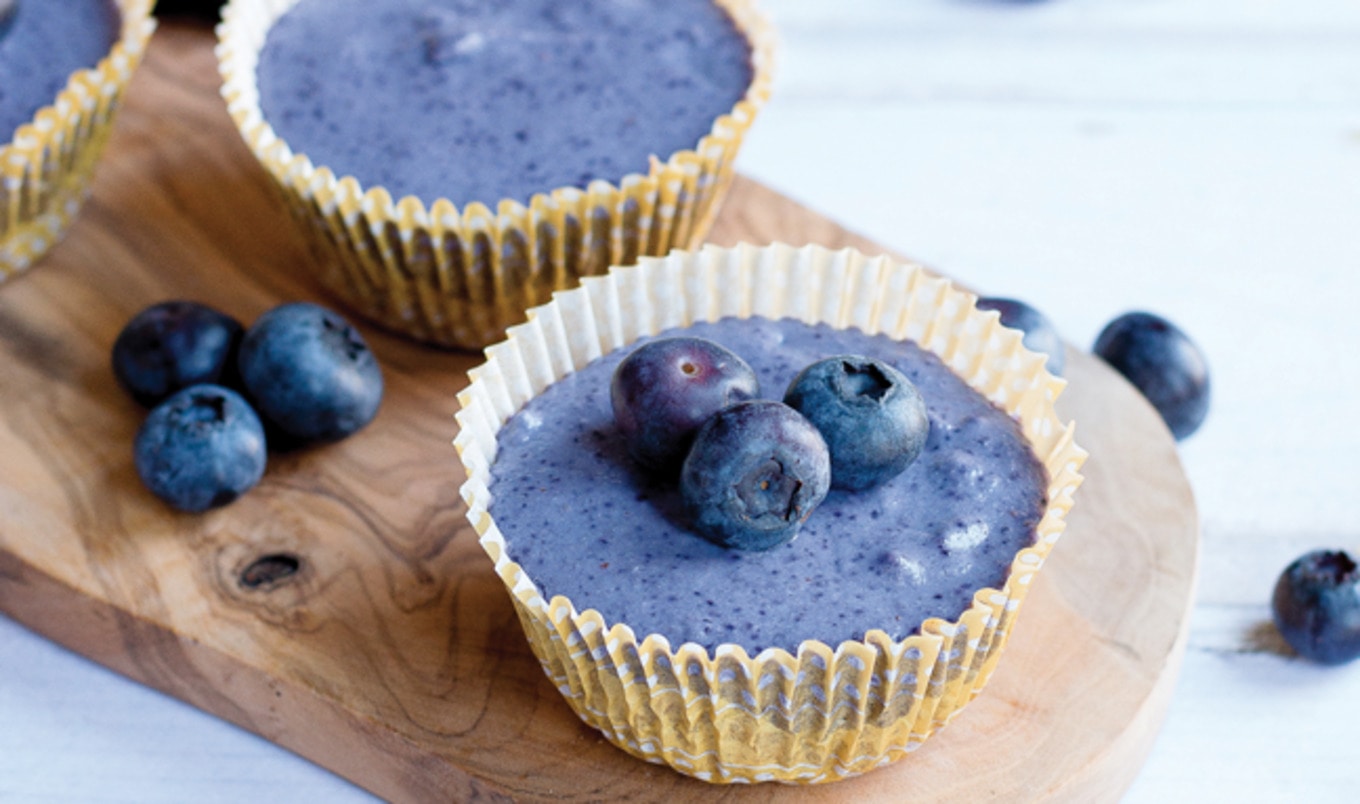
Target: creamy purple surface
479,101
584,523
41,44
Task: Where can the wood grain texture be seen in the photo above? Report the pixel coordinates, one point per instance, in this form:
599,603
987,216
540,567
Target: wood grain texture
393,656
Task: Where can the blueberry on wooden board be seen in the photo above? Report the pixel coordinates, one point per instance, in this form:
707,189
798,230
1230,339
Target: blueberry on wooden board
1163,364
872,417
1040,334
309,373
754,474
1316,606
665,390
201,448
173,345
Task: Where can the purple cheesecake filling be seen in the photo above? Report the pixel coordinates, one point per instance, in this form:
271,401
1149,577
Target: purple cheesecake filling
41,44
480,101
584,523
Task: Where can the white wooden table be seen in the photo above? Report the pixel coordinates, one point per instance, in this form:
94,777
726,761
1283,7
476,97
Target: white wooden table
1198,158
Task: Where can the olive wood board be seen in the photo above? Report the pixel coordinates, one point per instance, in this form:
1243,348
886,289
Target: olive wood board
392,655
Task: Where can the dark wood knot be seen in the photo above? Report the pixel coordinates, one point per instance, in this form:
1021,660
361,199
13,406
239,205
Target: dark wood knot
269,571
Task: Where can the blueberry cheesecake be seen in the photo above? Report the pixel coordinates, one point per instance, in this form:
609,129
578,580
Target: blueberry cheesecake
64,65
473,157
868,473
42,42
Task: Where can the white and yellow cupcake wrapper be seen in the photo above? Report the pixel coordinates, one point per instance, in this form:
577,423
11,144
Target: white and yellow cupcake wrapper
459,277
829,711
45,169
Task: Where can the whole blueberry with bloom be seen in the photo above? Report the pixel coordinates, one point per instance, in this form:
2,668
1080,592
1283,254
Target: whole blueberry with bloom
1163,363
755,472
172,345
309,373
1316,606
665,390
201,448
872,417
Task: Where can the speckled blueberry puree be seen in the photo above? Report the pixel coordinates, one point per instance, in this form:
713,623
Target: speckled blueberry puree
473,100
583,523
41,45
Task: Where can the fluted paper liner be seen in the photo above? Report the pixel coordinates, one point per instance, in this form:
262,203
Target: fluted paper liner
829,711
459,277
47,166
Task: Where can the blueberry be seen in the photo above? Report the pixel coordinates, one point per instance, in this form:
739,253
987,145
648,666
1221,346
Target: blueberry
173,345
201,448
1162,363
754,474
310,374
872,417
664,390
1317,606
1040,334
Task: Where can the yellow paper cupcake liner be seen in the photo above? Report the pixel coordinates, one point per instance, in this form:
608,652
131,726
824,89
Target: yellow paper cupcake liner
46,168
459,277
826,712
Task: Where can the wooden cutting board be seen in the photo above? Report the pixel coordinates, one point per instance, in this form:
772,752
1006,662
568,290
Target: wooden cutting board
392,655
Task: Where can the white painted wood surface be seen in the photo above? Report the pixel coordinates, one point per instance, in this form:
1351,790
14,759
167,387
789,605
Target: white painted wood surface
1198,158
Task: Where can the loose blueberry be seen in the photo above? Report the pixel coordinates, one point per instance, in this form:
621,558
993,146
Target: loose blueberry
1316,606
173,345
754,474
1040,334
1162,363
872,417
664,391
310,374
201,448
